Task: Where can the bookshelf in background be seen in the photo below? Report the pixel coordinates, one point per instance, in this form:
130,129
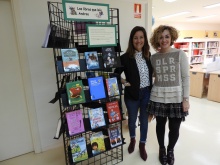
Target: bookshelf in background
199,50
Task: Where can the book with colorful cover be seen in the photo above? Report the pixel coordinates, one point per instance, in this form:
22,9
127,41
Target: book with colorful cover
92,61
75,92
112,86
96,117
78,149
109,57
75,122
97,143
113,111
70,59
115,136
96,88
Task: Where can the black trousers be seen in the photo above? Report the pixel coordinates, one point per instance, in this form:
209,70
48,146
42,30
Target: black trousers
174,126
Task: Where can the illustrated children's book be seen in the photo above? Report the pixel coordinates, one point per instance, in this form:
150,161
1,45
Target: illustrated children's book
113,110
109,57
97,143
115,136
92,61
112,86
75,92
96,88
70,60
78,149
75,122
96,117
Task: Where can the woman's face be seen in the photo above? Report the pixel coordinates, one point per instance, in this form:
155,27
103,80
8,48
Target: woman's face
165,40
138,40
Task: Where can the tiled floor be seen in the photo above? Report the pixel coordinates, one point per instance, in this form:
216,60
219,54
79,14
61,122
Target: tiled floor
199,142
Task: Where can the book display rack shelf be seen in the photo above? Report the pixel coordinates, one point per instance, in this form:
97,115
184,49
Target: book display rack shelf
199,51
88,135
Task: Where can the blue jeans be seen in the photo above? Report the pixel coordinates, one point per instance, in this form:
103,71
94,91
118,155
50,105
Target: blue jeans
132,107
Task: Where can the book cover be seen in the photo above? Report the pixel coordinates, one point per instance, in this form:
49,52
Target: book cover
115,136
80,27
70,59
78,149
96,117
92,61
75,122
96,88
46,38
109,57
113,111
112,86
90,74
59,130
56,37
97,143
75,92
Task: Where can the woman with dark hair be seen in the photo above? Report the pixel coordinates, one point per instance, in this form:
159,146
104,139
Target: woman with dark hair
170,93
138,82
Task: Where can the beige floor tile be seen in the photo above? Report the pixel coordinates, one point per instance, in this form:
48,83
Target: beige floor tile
198,144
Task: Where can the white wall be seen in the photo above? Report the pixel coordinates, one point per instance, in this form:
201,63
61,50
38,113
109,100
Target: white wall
34,20
34,16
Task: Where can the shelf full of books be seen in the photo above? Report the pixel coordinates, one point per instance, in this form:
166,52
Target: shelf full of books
199,50
88,91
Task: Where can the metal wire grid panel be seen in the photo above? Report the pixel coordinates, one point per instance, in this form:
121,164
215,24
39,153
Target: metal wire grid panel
69,34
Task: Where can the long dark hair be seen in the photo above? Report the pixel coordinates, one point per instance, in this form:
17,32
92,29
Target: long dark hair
146,48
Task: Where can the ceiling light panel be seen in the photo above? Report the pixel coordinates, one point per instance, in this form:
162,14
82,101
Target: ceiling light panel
199,18
211,6
169,0
176,14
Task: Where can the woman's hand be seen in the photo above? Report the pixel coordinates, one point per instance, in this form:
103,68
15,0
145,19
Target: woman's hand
126,84
186,106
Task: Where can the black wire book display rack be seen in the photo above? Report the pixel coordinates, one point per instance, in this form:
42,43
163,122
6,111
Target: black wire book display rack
100,128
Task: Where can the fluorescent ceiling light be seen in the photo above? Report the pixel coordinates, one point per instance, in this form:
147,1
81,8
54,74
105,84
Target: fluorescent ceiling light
176,14
169,0
198,18
211,6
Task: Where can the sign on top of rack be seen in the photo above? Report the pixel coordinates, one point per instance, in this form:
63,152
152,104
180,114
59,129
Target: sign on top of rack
85,11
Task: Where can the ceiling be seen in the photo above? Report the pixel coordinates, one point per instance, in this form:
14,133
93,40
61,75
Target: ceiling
161,8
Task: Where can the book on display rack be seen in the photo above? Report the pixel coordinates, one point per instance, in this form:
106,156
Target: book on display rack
96,117
78,149
113,111
96,88
75,122
75,92
70,59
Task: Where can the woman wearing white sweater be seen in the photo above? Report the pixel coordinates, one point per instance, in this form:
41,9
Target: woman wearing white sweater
169,98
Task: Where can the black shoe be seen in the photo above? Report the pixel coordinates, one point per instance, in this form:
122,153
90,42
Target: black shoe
170,156
163,156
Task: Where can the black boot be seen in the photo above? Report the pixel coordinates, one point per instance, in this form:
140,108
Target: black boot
170,156
131,145
163,156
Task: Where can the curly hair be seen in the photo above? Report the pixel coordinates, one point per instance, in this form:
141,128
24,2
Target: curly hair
154,40
146,48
